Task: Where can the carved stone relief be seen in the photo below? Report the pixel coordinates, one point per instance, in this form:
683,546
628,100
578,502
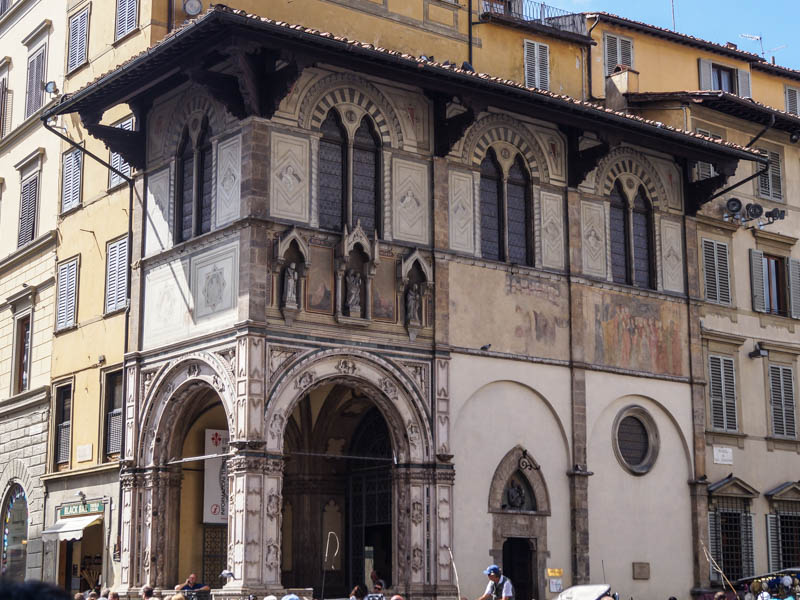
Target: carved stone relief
593,229
552,229
461,212
158,223
672,255
229,158
214,281
289,181
411,201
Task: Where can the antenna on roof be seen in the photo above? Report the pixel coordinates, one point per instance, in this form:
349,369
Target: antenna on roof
754,38
672,2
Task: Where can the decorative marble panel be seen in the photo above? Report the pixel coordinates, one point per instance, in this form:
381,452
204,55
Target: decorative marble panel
166,302
410,201
672,255
229,158
214,278
289,182
593,236
461,212
158,220
552,231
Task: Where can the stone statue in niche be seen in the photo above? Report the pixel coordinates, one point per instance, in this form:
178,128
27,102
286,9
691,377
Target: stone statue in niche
413,304
290,286
353,301
516,495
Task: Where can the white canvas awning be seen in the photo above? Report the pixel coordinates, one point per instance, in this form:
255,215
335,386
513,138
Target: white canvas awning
71,528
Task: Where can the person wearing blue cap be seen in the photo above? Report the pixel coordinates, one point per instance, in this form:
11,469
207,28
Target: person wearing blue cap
499,587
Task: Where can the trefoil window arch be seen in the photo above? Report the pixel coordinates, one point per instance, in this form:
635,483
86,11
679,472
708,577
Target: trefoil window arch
505,202
349,176
631,239
194,187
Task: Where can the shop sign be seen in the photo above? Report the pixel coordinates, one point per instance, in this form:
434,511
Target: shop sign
556,585
555,572
77,509
215,482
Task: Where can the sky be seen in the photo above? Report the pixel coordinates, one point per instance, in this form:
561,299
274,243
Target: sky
720,21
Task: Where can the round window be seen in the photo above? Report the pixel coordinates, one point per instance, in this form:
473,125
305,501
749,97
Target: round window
635,440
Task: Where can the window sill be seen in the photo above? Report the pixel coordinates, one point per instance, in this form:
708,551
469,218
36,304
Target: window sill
126,36
776,320
719,436
785,444
115,312
77,69
115,186
69,211
65,329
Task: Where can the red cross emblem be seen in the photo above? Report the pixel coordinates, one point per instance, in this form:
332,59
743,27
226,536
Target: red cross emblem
216,439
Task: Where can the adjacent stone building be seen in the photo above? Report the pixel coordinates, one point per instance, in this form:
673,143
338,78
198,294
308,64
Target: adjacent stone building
416,310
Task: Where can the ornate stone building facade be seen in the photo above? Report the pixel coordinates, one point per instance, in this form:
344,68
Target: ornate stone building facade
425,306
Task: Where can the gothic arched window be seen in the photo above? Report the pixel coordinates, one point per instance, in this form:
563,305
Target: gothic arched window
491,208
332,174
15,535
195,176
365,178
631,238
505,211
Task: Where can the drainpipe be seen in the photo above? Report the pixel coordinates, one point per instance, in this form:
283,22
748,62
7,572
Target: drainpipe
589,66
170,15
129,181
469,33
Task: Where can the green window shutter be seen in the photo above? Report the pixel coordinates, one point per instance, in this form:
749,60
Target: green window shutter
743,82
793,272
704,68
792,100
757,280
773,543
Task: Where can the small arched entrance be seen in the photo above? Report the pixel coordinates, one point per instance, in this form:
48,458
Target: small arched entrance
338,486
14,521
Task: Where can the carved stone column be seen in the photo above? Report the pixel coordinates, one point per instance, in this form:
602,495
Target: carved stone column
254,523
159,529
442,388
130,542
443,518
250,390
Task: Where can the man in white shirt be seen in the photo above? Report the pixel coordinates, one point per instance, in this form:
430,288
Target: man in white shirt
499,586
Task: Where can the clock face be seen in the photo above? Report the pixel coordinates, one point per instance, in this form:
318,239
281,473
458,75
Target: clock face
192,7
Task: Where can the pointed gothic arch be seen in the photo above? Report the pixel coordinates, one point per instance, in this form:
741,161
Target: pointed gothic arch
630,165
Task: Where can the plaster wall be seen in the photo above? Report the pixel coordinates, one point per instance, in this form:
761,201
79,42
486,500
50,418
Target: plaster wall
497,404
643,518
770,89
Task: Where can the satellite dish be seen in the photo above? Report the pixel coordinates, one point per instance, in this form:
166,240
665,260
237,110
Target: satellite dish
192,7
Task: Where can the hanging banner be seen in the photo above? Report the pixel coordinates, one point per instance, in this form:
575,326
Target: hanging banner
215,484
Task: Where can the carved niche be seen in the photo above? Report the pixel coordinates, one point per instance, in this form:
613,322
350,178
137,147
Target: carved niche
355,271
415,280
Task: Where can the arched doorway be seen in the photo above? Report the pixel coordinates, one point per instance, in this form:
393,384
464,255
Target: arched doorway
338,485
15,534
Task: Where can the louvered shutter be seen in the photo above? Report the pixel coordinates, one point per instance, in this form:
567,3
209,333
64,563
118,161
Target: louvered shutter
612,53
67,280
793,100
117,161
710,270
764,179
3,105
27,210
776,191
788,401
743,77
773,542
714,544
126,17
793,272
705,169
35,90
530,63
716,392
78,33
116,275
781,383
757,280
71,180
723,273
543,66
748,556
729,393
625,52
706,77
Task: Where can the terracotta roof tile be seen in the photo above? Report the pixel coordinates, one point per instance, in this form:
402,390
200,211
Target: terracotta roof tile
220,8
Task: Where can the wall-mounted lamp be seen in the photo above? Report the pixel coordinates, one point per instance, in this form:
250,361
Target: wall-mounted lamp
192,7
80,494
758,352
50,87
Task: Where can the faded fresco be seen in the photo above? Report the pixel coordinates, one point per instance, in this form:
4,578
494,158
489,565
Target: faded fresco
516,313
384,294
319,292
636,333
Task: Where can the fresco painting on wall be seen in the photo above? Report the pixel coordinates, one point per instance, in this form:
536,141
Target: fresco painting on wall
637,334
384,294
320,281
